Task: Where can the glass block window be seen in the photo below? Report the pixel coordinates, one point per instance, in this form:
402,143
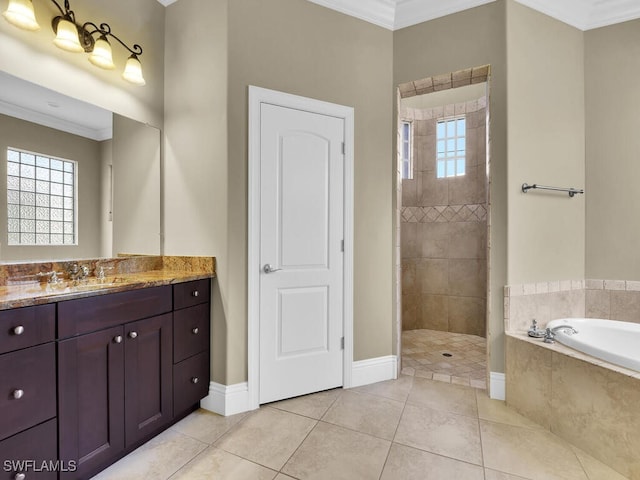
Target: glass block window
41,199
406,150
451,147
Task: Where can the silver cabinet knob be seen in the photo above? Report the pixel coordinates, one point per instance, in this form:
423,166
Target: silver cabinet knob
195,293
195,330
117,339
133,334
194,380
17,394
19,476
19,330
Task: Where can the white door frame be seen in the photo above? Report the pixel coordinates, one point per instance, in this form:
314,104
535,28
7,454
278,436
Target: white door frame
257,96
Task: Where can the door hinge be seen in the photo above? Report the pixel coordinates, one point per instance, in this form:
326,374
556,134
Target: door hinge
344,148
342,343
342,245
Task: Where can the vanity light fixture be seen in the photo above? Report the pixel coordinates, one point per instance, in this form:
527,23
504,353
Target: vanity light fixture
75,37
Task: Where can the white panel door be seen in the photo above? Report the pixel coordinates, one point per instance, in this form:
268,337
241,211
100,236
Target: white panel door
301,233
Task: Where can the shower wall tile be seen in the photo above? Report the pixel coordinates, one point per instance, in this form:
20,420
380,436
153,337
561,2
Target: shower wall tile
432,191
467,315
468,240
411,283
408,239
468,277
409,193
435,312
434,276
445,254
411,311
464,190
434,239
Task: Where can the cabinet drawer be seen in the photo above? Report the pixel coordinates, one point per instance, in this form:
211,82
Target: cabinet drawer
28,326
33,452
27,388
190,331
190,382
89,314
191,293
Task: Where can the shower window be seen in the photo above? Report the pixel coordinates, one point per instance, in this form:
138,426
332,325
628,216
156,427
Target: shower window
451,147
41,199
406,151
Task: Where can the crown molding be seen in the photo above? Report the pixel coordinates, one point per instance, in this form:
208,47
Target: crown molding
50,121
612,12
166,3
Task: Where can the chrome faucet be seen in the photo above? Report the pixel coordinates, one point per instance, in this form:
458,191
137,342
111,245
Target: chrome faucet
534,331
77,272
550,333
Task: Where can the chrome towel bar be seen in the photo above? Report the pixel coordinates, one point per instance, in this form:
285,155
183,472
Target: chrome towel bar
571,191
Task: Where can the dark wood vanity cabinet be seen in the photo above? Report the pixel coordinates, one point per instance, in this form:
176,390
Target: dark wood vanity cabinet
191,302
116,385
27,391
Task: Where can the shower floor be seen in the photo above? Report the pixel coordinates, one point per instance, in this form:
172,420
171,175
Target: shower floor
448,357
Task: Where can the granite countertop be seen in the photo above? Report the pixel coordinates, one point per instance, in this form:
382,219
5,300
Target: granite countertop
21,286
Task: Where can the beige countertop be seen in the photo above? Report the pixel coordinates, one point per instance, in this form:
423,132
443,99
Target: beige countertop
120,275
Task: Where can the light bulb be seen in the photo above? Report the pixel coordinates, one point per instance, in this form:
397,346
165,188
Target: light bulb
133,71
101,55
67,36
20,14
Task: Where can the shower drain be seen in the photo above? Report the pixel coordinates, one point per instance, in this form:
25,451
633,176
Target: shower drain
447,354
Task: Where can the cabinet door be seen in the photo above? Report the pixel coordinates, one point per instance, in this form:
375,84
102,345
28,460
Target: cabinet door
148,376
91,399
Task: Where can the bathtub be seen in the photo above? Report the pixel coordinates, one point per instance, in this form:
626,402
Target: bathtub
610,340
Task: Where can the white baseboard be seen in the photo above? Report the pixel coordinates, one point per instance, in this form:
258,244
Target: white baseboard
227,399
231,399
374,370
497,385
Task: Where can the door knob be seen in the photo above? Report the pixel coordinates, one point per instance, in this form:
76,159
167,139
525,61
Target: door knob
117,339
19,330
268,268
133,334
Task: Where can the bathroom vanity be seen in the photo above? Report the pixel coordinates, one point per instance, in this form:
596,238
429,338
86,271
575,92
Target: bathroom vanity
92,371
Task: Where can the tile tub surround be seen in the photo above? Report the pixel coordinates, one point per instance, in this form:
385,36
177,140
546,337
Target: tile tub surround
587,402
20,286
546,301
444,228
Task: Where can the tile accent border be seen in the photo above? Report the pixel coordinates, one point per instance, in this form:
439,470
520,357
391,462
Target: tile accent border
445,213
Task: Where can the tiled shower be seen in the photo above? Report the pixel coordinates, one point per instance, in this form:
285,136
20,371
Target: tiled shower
444,226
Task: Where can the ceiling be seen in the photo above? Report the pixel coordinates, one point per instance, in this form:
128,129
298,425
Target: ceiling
33,103
396,14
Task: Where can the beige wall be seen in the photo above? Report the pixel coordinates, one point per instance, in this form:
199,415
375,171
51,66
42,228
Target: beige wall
546,146
36,138
73,75
612,145
467,39
196,164
296,47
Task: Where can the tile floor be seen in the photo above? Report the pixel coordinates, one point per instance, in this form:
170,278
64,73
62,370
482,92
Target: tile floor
405,429
444,356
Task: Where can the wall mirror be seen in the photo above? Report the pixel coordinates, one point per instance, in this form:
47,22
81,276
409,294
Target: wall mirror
115,166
